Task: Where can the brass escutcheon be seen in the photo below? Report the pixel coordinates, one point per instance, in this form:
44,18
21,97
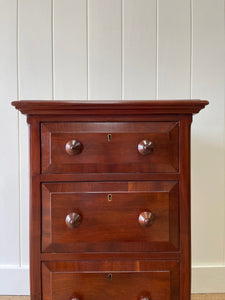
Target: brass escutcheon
109,197
109,137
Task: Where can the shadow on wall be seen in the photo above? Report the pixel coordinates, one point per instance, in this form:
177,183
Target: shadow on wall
208,203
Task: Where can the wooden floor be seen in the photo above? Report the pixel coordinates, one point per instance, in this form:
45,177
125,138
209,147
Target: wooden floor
194,297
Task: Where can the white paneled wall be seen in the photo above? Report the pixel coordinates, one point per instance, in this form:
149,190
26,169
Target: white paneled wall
70,49
174,53
35,82
104,49
139,49
9,183
114,49
208,150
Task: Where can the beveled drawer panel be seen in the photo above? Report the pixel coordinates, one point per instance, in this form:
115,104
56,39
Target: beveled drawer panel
101,280
106,147
110,216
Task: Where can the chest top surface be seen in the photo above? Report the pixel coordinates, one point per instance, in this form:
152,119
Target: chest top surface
43,107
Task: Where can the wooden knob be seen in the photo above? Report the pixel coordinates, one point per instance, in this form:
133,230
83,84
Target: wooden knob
145,218
75,299
145,298
73,220
73,147
145,147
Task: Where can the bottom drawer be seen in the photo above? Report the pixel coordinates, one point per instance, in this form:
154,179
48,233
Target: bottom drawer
101,280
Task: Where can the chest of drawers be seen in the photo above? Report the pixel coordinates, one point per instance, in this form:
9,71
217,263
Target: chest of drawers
110,199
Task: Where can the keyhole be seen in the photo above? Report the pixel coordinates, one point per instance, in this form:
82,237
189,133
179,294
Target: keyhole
110,276
109,197
109,137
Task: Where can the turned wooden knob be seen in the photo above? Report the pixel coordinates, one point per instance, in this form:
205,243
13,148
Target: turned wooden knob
145,147
73,220
75,299
73,147
145,219
145,298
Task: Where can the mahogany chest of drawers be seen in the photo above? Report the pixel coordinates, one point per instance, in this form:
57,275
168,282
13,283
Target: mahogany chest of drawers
110,199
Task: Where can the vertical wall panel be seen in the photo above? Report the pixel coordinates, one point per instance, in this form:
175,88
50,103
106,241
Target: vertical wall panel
208,133
35,79
9,184
35,51
139,48
104,31
70,49
174,26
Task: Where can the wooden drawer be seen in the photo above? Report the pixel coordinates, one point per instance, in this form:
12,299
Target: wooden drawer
101,280
110,216
109,147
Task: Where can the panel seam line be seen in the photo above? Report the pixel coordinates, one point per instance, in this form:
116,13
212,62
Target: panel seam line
157,55
122,49
19,136
52,46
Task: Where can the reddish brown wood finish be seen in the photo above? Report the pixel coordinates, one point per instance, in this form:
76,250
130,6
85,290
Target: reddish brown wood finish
111,280
120,154
185,207
35,211
109,107
152,262
109,177
110,226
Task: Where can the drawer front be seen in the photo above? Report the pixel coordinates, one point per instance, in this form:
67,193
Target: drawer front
110,216
133,280
95,147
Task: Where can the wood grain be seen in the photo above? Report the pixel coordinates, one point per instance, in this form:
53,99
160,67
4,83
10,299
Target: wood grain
208,297
117,156
35,211
193,297
110,107
129,280
110,226
14,297
185,207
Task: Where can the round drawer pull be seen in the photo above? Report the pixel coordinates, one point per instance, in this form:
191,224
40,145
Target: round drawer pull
73,147
145,298
75,299
145,218
73,220
145,147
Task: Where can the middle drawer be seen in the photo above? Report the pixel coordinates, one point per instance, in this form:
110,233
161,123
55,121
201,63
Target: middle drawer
110,216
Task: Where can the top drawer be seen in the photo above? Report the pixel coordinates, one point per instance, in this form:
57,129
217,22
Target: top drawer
109,147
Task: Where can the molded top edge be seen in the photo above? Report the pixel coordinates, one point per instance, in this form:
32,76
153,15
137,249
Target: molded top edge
43,107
